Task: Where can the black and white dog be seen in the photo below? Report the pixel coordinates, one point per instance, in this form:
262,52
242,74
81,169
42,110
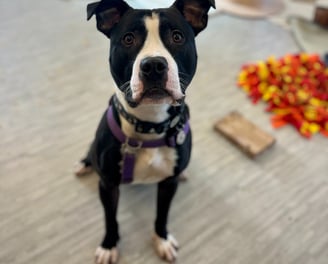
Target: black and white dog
144,135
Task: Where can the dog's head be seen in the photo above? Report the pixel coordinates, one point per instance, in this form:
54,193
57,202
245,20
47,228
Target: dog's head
152,53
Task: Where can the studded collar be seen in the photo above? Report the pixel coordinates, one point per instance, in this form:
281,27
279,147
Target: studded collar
175,119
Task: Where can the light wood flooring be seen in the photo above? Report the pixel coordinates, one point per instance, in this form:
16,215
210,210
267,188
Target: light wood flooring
54,87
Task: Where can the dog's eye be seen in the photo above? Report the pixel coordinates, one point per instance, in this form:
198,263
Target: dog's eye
177,37
128,39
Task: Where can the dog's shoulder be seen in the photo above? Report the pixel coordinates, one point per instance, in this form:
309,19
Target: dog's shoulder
105,152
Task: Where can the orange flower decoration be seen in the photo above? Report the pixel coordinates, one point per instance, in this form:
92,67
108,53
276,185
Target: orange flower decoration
295,88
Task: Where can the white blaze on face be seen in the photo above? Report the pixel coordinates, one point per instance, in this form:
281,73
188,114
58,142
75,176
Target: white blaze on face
152,47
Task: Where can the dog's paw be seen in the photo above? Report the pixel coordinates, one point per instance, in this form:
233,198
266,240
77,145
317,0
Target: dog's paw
167,249
80,169
106,256
183,177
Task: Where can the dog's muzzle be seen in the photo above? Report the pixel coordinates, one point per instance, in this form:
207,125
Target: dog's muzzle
154,74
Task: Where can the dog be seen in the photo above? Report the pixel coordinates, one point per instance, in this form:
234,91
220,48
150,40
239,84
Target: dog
144,136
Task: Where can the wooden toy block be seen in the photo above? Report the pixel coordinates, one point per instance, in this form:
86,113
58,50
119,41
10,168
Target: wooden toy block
243,133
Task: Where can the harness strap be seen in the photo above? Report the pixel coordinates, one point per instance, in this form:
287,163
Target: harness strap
130,146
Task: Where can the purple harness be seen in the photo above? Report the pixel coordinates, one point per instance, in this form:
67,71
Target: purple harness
130,146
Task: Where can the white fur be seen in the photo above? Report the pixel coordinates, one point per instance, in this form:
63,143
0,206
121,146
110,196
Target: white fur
166,249
106,256
154,165
80,169
154,46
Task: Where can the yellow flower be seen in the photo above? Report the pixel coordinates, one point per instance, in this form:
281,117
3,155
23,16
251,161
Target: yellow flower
304,57
263,71
316,102
314,128
302,96
311,113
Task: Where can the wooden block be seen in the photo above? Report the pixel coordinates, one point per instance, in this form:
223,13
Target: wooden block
321,16
246,135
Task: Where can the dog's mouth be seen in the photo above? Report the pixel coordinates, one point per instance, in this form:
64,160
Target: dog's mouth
156,93
153,94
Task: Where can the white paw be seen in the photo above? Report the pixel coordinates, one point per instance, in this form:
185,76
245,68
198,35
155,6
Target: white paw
80,169
183,177
166,249
106,256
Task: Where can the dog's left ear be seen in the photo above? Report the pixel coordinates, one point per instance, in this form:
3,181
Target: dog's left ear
195,12
108,14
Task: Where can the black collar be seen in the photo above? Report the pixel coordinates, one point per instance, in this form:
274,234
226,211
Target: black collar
175,120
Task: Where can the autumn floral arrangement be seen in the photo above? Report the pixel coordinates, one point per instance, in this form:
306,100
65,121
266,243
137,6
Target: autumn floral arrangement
295,88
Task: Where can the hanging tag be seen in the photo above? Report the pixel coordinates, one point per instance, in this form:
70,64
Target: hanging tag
181,137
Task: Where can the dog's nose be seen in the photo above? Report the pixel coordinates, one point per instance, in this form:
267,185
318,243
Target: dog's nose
153,67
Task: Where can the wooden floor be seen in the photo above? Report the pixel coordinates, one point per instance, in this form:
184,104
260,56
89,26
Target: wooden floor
54,87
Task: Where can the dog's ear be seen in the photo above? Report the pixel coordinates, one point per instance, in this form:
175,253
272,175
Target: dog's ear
108,14
195,12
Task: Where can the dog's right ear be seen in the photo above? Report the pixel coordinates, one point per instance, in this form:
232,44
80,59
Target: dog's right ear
108,14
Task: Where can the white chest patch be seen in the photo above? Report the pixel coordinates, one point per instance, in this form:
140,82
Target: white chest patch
154,165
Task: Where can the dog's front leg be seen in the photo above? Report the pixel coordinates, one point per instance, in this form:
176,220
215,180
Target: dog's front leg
165,244
107,252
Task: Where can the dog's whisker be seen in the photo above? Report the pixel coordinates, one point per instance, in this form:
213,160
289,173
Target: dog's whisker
125,85
183,78
183,74
126,89
184,84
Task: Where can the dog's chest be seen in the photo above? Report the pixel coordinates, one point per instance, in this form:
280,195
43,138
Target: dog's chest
151,164
154,165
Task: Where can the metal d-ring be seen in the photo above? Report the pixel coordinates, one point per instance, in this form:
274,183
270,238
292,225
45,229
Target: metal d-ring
127,148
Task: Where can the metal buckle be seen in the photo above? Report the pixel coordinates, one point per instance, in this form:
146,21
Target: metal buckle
127,148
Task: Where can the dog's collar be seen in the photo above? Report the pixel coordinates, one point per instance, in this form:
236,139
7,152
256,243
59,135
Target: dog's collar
149,127
130,146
